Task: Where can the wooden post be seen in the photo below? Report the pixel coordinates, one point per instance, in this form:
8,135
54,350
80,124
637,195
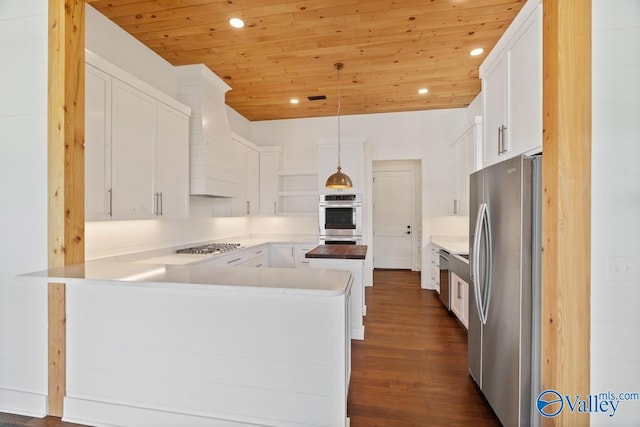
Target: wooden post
65,172
566,214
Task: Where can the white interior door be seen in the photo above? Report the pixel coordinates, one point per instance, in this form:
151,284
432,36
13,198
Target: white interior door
393,207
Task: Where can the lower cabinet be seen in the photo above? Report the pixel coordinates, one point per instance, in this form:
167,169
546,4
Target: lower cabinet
460,299
289,255
435,267
251,257
281,255
300,251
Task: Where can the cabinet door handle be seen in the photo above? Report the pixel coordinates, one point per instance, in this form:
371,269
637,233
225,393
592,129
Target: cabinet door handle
455,206
248,207
233,260
161,204
274,208
505,141
502,147
459,291
110,210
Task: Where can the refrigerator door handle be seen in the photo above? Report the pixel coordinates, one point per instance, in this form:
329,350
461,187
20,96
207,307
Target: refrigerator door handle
475,270
488,248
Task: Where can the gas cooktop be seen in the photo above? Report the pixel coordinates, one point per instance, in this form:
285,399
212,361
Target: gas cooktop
210,249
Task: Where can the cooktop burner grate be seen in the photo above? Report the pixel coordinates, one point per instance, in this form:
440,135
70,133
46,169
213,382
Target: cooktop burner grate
212,248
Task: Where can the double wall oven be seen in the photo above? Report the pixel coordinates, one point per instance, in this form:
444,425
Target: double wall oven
340,219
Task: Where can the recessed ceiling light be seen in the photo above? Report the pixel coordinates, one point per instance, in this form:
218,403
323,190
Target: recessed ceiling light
477,51
423,91
294,100
236,22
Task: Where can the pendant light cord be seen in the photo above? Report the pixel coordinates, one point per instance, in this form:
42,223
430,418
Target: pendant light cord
338,67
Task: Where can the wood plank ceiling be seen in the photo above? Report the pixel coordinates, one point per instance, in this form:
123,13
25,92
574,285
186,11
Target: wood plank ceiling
390,49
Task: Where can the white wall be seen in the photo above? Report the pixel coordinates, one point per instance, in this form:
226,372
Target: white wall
23,211
107,40
615,227
418,135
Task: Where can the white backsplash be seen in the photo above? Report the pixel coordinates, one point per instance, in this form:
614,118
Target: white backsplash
109,238
290,225
450,226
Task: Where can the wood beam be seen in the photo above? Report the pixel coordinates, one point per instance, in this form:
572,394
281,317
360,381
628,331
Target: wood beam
566,214
65,173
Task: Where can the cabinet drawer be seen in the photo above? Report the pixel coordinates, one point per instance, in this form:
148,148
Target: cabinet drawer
259,261
232,260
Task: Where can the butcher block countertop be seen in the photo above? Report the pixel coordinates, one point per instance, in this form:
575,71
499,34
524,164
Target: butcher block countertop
338,252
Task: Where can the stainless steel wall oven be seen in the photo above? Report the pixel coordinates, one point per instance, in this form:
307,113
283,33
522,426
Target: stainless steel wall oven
340,218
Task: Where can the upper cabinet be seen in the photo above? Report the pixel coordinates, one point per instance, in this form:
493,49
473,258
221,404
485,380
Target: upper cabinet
247,158
136,148
270,166
512,89
97,144
466,159
214,161
171,192
352,159
133,132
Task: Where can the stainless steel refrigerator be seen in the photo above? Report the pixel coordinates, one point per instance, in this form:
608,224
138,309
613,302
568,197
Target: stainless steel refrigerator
504,303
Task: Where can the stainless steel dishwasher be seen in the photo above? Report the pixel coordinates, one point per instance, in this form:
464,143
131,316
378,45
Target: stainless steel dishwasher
444,279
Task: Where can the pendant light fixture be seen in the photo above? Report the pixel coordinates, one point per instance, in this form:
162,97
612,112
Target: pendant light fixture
339,180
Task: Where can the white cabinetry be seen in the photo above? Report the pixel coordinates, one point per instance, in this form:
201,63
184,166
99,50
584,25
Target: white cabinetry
301,250
298,193
136,145
97,147
495,111
512,89
466,159
435,267
132,137
460,299
255,256
270,165
352,159
247,201
281,255
172,164
253,181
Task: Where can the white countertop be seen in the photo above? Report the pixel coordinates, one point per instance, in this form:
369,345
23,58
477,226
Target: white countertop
165,268
168,255
452,244
315,282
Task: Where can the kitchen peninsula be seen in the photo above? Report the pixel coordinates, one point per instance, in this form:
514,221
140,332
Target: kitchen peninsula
201,345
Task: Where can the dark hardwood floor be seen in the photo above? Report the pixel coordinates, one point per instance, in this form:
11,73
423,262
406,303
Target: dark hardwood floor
410,371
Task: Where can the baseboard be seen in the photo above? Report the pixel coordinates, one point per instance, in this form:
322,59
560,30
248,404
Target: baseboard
110,414
357,332
22,402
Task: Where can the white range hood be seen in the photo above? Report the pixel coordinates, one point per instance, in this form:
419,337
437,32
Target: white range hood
213,171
